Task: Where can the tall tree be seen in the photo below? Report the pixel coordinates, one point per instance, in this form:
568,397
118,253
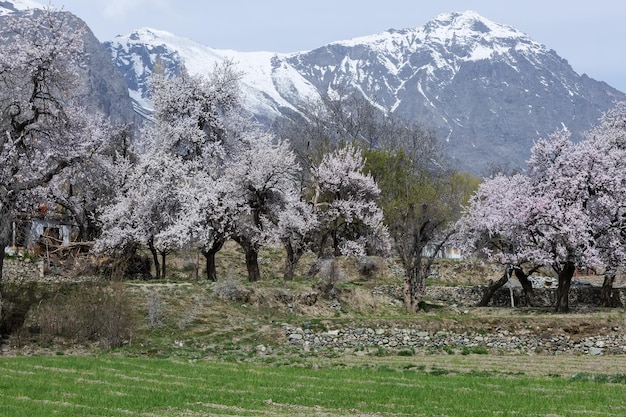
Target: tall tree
265,179
148,208
345,202
492,227
175,189
420,206
602,163
42,126
201,119
81,190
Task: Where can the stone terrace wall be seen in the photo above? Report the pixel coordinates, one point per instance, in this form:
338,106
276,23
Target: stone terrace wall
413,339
543,297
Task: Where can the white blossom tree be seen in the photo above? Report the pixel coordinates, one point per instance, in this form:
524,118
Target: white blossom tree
210,213
264,179
175,196
345,203
42,126
297,224
195,115
148,207
82,189
200,117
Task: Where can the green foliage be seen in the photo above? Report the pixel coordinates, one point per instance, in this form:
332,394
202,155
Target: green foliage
409,191
419,204
479,350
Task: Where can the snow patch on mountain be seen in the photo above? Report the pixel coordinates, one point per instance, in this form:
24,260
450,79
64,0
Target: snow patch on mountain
12,6
268,85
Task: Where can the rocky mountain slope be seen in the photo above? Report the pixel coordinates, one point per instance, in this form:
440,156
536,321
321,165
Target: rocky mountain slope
488,89
103,89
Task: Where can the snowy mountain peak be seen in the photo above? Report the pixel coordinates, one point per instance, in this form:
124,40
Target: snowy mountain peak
152,36
469,23
12,6
471,37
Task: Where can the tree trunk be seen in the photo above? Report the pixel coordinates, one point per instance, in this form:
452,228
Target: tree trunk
252,259
1,260
606,297
252,264
209,255
562,292
413,289
292,256
2,245
88,229
493,287
155,258
336,250
527,286
5,239
211,270
163,254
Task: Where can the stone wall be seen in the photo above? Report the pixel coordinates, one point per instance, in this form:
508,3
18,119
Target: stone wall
415,340
543,297
21,271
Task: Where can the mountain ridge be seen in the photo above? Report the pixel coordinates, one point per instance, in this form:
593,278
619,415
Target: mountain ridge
487,89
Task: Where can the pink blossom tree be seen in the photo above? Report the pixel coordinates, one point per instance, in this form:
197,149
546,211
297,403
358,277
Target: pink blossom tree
602,162
493,226
567,212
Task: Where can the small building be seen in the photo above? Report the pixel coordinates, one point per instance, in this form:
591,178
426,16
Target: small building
40,229
446,252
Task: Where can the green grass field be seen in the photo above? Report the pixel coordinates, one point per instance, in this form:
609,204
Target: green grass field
115,386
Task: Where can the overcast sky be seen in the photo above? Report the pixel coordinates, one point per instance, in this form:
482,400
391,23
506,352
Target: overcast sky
591,35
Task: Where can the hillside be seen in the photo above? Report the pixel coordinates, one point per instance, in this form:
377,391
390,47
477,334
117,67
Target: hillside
360,314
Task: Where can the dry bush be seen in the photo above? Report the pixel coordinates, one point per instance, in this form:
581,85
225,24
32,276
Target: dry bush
155,305
232,290
87,313
125,265
370,266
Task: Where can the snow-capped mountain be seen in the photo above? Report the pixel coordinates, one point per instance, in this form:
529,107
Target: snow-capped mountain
267,88
488,90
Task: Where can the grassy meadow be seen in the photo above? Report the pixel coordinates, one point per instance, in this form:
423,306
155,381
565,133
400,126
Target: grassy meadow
115,386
